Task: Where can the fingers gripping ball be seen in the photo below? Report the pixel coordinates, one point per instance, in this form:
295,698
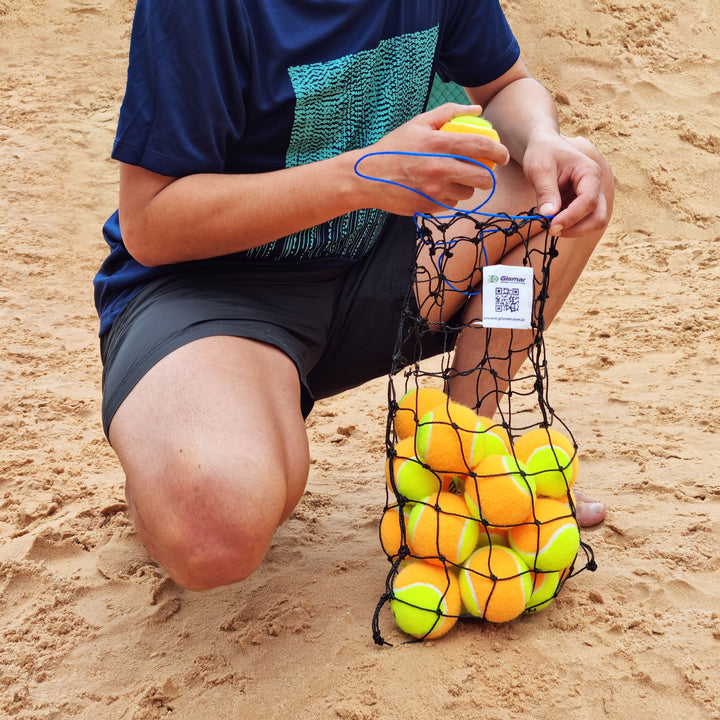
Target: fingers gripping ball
449,439
551,458
412,406
391,529
501,493
495,584
550,540
475,125
425,600
440,528
411,478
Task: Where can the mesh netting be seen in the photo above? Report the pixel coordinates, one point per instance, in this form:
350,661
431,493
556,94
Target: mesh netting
442,92
479,521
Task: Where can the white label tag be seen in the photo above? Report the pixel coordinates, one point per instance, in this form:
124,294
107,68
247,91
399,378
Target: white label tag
507,297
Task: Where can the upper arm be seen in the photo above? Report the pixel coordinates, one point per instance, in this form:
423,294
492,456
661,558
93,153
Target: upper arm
483,94
138,187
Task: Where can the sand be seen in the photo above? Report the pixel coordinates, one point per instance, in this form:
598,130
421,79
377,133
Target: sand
93,628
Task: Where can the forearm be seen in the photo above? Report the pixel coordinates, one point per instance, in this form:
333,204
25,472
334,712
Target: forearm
207,215
572,182
519,111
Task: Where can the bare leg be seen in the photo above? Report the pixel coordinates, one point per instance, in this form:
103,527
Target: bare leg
513,195
215,456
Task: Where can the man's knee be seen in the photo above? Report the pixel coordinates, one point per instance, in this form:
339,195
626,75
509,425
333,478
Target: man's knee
211,526
206,554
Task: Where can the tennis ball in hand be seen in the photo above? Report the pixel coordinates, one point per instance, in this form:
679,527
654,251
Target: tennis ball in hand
412,406
425,600
495,584
411,478
449,439
499,492
440,529
550,538
551,458
475,125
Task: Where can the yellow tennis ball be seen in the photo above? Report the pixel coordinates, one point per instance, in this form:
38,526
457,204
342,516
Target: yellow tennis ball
425,600
440,529
449,439
550,539
497,440
475,125
412,480
495,584
412,406
391,529
500,493
550,457
545,588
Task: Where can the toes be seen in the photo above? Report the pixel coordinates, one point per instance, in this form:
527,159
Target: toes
589,512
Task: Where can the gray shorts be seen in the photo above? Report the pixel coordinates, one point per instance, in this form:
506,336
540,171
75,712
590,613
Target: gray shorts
340,324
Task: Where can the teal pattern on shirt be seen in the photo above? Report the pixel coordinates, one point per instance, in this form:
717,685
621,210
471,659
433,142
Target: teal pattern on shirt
343,105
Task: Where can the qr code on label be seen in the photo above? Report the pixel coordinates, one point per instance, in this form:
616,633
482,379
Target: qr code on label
507,300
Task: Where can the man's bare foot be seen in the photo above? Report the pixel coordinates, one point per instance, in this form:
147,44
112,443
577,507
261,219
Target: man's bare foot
589,512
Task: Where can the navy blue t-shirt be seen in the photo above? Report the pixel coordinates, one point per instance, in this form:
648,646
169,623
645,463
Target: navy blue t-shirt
250,86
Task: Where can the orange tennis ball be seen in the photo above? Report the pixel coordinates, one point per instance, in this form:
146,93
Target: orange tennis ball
475,125
412,406
440,529
391,529
551,458
500,493
449,439
548,541
425,600
495,584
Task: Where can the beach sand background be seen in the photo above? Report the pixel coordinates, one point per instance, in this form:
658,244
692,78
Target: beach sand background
93,629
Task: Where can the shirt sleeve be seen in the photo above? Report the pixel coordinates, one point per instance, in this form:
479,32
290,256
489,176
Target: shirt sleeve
477,45
183,103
